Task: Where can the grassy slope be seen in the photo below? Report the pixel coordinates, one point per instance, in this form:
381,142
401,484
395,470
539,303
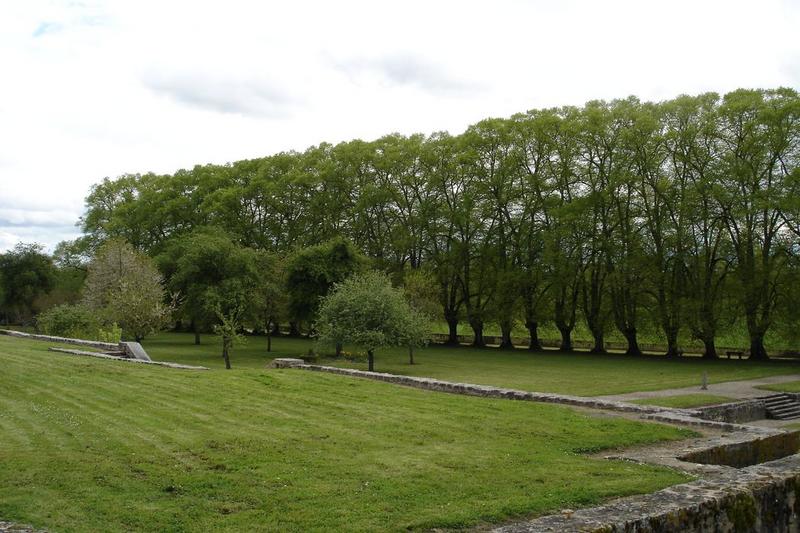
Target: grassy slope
93,445
789,386
686,400
578,373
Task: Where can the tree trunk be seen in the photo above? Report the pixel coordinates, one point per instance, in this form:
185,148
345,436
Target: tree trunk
566,338
196,334
269,340
757,350
371,360
633,342
672,343
477,329
294,331
338,349
452,327
276,329
599,341
505,342
533,331
410,355
225,355
710,351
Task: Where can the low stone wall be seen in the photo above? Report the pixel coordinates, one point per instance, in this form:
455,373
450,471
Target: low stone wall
736,412
126,359
110,346
749,452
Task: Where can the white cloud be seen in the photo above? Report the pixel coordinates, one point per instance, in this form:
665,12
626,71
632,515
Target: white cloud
98,88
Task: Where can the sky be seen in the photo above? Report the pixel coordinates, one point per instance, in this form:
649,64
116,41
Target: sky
95,89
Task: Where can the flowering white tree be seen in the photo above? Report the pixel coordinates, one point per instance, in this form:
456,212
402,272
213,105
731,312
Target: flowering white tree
125,287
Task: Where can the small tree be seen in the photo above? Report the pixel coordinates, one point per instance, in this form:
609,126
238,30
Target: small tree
367,311
124,287
230,302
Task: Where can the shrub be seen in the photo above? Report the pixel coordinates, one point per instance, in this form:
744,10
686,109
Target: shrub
75,321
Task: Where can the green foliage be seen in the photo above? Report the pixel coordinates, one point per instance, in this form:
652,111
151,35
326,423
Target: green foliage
112,333
365,310
212,275
67,320
124,287
679,216
26,273
313,271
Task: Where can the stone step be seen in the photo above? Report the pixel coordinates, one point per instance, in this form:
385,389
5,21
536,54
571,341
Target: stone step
785,410
778,405
781,406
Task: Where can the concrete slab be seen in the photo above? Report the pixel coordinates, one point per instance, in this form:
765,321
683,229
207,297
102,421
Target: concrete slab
134,350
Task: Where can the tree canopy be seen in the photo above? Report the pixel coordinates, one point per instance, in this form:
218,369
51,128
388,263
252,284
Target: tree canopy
365,310
679,215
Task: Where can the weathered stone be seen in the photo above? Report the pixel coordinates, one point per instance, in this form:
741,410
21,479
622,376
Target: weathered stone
286,362
125,359
745,411
134,350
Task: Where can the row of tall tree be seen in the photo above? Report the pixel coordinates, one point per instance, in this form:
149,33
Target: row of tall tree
682,213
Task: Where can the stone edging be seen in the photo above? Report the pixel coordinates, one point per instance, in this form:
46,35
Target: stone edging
107,346
10,527
111,346
127,359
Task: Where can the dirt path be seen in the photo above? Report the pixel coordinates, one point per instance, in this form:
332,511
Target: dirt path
733,389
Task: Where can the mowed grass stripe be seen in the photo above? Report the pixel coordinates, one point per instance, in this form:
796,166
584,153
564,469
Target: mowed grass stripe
566,373
161,450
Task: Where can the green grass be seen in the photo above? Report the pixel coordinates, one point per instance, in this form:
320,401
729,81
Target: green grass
686,400
567,373
789,386
92,445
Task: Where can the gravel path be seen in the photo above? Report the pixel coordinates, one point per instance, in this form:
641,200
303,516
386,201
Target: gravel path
733,389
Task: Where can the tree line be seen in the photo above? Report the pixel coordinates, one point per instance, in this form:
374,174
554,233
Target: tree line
682,214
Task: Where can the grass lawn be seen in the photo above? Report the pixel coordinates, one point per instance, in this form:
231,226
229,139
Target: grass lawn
686,400
567,373
789,386
91,445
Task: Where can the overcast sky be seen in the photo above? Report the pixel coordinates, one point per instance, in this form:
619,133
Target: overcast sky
94,89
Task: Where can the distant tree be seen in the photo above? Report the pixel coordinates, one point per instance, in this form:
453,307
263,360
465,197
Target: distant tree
312,272
200,261
26,273
367,311
124,287
758,130
420,288
270,293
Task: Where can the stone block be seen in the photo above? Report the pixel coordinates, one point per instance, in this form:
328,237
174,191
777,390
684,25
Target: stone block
134,350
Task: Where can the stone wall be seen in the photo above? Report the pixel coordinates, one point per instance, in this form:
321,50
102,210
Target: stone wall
737,412
109,346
